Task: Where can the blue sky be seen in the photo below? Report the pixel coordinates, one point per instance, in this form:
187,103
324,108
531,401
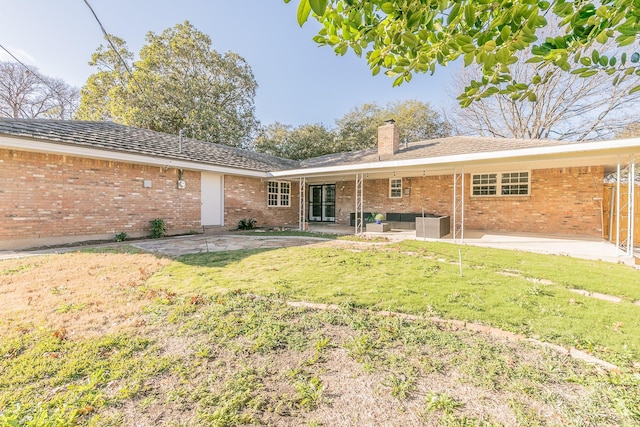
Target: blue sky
299,82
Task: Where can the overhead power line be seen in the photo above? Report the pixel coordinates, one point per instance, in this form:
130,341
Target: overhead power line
113,46
36,75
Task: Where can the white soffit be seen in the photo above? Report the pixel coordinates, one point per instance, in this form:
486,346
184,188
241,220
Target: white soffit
569,155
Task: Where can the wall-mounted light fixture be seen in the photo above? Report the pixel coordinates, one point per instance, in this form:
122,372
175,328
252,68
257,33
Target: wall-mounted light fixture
181,182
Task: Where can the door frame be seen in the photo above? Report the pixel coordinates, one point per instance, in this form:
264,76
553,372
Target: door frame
323,205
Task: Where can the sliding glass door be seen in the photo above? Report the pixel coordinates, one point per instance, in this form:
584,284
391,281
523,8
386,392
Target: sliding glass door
322,202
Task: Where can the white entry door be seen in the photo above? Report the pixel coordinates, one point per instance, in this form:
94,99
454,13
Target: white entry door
212,198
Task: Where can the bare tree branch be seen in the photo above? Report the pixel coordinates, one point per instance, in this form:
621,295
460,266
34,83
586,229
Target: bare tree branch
25,93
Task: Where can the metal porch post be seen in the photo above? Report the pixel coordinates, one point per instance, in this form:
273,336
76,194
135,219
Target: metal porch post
458,205
302,217
631,208
618,208
359,213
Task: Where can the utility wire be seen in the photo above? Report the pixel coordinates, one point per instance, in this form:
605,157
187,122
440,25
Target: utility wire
113,46
36,75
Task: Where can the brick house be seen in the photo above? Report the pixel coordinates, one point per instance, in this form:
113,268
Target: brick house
68,181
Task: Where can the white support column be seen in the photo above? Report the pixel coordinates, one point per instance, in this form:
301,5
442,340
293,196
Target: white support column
458,205
302,211
359,212
631,208
462,208
618,171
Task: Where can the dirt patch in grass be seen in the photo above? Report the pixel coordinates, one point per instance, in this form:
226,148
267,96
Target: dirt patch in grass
134,356
79,294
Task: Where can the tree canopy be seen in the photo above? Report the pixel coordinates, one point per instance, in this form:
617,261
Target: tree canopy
302,142
416,121
27,93
403,37
178,82
566,106
356,130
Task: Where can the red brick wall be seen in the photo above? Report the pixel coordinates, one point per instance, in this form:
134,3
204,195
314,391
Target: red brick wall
48,195
246,197
561,201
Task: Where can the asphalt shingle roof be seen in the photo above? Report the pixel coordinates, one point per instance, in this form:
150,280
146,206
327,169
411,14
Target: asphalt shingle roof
127,139
451,146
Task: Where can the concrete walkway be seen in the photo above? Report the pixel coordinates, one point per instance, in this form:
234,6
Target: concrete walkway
217,242
181,245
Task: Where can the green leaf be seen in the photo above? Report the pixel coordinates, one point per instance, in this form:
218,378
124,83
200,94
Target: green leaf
585,60
589,73
470,14
602,37
388,8
505,32
468,48
468,58
455,10
489,45
304,9
503,55
634,90
531,96
410,39
625,40
318,6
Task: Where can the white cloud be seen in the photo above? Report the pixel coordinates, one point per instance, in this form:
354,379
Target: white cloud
22,55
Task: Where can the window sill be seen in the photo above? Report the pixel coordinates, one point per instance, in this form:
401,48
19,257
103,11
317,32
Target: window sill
500,198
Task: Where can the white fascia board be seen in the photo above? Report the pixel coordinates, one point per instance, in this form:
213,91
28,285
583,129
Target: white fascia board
118,156
618,146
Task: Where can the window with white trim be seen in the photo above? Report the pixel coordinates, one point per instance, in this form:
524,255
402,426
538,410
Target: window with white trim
278,193
395,188
500,184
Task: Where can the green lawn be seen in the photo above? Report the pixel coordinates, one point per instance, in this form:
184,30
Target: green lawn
516,291
116,337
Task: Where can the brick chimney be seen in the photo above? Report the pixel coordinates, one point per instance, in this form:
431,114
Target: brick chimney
388,139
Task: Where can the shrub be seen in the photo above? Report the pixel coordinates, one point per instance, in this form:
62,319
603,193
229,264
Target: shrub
121,237
158,228
247,224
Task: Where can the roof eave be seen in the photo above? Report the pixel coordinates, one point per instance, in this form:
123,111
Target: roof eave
619,147
29,144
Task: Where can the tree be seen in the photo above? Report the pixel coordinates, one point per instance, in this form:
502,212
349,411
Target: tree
405,37
416,121
26,93
356,130
104,96
302,142
178,82
566,107
631,130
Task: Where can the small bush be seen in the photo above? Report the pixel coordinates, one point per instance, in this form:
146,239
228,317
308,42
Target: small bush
158,228
247,224
121,237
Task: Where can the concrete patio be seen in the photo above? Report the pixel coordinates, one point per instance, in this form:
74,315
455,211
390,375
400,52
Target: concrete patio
552,245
